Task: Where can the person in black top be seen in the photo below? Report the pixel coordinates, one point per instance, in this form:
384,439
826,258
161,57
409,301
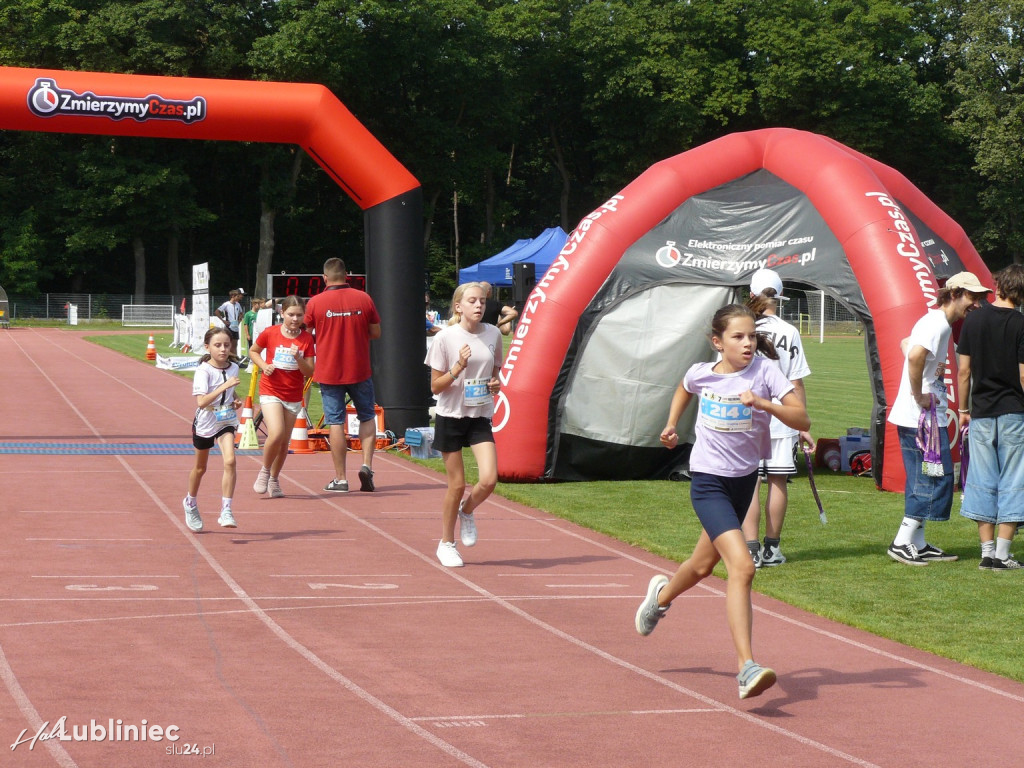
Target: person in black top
496,314
991,380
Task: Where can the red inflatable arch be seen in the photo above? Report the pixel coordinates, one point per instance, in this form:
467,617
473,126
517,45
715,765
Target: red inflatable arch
290,113
700,223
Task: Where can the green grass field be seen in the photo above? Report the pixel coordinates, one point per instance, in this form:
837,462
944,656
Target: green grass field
839,570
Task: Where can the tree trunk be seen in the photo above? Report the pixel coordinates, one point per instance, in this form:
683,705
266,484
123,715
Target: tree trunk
268,214
174,284
139,252
266,252
566,181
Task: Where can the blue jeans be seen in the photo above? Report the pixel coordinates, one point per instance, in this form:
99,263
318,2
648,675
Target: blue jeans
926,498
333,397
994,490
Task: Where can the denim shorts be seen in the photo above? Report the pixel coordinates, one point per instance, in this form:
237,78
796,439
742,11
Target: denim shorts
994,490
721,503
361,394
926,498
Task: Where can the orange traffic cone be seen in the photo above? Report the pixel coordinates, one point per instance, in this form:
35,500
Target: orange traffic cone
151,349
300,435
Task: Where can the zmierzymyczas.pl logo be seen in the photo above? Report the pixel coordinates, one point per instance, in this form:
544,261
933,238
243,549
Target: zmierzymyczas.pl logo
46,99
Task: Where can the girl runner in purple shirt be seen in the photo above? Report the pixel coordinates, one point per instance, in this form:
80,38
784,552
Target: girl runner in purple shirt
735,401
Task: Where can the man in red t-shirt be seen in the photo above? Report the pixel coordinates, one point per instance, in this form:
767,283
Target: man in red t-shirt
344,320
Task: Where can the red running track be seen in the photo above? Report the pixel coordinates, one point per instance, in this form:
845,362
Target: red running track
322,631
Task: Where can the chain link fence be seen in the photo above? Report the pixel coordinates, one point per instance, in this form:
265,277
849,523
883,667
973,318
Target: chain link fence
91,306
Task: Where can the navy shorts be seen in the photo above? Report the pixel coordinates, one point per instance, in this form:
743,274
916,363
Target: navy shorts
453,434
721,503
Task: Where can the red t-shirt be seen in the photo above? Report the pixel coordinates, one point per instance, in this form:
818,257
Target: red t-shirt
285,382
341,317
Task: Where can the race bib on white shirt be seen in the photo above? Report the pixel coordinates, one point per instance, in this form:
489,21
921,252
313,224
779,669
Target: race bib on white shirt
224,413
724,413
476,392
285,358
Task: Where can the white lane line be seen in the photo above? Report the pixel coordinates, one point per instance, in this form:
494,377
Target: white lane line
68,538
81,576
595,713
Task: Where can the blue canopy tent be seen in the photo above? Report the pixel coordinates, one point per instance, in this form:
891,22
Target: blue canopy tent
497,270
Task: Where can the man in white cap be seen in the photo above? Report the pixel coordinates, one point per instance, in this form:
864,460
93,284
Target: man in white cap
765,295
922,386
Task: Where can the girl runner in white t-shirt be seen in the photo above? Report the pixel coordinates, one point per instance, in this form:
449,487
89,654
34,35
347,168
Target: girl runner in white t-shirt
464,360
735,399
214,424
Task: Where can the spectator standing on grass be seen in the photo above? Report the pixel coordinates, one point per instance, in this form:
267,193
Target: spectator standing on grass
497,314
344,320
775,471
464,360
737,396
230,312
991,392
215,422
247,321
284,355
928,497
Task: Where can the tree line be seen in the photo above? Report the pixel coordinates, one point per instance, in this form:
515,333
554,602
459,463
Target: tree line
515,115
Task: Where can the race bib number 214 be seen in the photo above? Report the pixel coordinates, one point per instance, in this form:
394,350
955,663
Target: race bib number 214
724,413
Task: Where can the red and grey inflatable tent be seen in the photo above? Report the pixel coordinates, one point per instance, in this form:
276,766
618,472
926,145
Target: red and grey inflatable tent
609,330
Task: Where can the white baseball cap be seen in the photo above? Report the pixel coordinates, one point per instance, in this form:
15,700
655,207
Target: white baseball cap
764,279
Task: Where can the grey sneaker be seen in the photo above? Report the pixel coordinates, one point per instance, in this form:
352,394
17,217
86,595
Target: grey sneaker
337,486
755,555
192,518
274,488
772,556
754,680
260,486
226,519
650,613
467,526
365,479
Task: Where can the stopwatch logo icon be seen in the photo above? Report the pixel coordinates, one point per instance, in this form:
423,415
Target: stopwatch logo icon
43,98
668,255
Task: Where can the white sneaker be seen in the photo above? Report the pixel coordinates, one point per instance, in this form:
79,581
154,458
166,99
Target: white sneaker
260,486
192,518
449,555
226,519
274,488
467,526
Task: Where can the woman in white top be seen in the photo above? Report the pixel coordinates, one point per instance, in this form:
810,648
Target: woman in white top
464,360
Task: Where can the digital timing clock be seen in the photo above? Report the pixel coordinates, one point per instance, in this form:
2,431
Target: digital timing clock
304,286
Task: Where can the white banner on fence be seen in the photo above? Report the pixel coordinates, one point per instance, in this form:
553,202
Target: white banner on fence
177,362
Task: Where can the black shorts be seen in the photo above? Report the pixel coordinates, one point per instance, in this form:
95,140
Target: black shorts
206,443
453,434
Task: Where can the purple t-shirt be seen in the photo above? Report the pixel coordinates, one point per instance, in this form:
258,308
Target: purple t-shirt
732,438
